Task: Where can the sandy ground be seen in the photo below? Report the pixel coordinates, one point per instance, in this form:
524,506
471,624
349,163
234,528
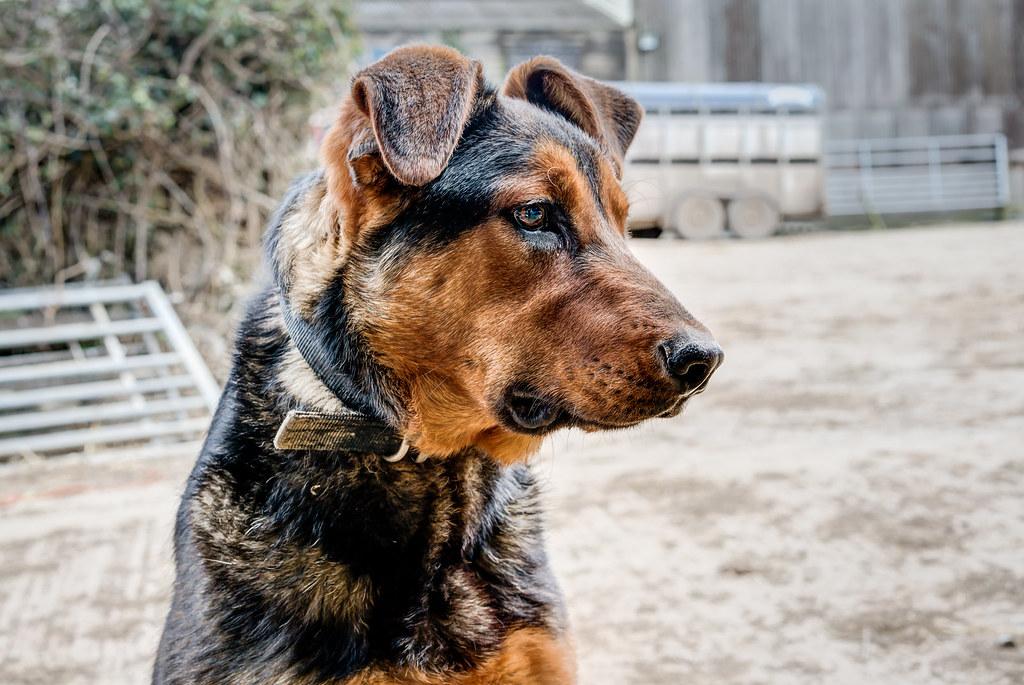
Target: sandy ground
845,504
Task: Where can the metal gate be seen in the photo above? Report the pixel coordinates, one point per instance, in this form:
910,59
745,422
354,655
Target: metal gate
916,175
98,369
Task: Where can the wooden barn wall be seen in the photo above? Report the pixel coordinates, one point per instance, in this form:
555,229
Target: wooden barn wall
890,67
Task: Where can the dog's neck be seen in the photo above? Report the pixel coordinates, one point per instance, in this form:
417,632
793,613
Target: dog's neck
335,356
323,476
336,412
331,367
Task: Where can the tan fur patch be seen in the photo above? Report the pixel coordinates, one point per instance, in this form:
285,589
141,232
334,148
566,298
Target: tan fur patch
553,175
612,196
366,205
447,348
528,657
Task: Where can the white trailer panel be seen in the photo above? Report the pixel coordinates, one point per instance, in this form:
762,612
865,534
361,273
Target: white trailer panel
757,144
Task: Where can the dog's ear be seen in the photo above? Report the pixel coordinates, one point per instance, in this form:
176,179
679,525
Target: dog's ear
610,116
417,100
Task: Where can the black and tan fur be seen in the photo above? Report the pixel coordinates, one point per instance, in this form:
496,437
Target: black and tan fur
469,332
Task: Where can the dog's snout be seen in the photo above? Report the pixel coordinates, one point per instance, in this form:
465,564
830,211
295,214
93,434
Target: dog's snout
690,362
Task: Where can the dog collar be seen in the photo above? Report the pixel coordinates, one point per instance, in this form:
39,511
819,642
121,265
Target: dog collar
341,432
321,358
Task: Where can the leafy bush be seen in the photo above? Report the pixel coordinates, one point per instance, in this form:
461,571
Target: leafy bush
149,137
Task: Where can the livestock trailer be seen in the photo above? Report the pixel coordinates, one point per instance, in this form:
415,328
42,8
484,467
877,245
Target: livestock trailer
726,156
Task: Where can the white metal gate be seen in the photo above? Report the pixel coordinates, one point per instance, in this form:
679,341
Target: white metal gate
98,368
911,175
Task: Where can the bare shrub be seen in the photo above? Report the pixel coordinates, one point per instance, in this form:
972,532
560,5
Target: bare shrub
150,138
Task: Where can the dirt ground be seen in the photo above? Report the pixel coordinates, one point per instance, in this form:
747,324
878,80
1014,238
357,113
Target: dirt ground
845,504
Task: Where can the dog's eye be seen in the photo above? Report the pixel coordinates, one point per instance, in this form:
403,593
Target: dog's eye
531,217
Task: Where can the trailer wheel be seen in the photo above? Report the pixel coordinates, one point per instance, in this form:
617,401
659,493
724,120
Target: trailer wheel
699,216
753,216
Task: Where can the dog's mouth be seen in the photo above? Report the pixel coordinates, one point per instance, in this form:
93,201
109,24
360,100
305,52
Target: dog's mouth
530,411
527,410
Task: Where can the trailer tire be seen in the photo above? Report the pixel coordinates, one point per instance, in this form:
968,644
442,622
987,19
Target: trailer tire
753,216
699,216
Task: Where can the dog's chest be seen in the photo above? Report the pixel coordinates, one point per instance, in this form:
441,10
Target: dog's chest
409,564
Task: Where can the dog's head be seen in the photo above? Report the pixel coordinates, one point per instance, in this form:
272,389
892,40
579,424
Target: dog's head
481,249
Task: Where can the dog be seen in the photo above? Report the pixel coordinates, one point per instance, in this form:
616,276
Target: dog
452,286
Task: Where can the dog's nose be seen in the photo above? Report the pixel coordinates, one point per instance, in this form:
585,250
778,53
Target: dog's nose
691,362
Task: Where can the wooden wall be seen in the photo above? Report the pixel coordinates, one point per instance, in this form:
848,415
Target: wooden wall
889,67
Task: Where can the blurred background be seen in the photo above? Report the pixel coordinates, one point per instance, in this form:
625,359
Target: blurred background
834,186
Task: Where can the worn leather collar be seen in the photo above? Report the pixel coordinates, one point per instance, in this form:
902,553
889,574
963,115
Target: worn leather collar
341,432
